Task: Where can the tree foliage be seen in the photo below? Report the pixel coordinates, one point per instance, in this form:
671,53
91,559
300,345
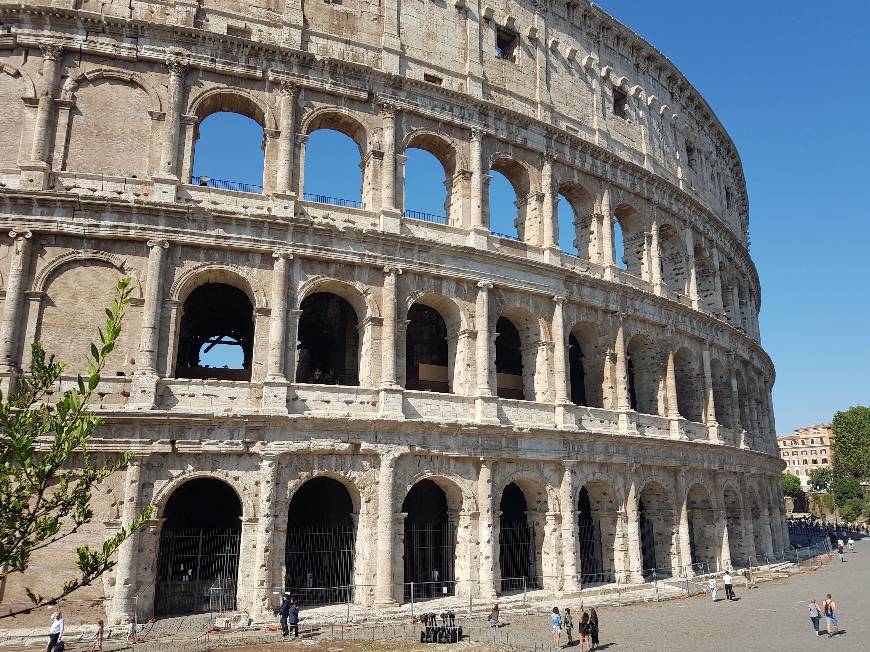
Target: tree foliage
820,479
845,489
47,473
791,485
851,445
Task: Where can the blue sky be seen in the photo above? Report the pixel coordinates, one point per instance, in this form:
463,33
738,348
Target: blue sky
789,80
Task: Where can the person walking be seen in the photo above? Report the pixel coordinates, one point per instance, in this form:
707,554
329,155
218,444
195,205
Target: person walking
829,607
593,628
284,613
851,544
728,581
55,633
813,608
713,588
293,619
840,549
98,638
492,618
568,622
556,627
585,646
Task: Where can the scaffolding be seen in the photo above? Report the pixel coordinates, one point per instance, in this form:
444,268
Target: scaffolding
319,564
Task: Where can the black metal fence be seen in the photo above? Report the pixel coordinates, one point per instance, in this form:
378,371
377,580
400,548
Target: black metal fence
223,184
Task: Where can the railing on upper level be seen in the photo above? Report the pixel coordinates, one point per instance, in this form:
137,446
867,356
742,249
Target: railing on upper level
223,184
506,236
332,201
425,217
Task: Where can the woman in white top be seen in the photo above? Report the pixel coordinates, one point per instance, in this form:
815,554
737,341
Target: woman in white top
713,588
55,632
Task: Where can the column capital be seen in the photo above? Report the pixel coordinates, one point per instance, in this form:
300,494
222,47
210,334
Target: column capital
476,134
484,285
157,244
18,235
51,51
559,300
283,254
287,87
177,65
388,109
391,270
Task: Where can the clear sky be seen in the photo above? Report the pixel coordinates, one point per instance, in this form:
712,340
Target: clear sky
790,80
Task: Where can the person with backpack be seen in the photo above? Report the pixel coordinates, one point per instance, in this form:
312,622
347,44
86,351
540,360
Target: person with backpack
829,607
556,626
293,618
284,612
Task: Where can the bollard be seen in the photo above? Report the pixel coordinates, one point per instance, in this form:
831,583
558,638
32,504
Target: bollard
524,590
412,599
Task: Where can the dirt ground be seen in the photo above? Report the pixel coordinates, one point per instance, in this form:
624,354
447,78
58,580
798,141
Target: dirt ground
362,646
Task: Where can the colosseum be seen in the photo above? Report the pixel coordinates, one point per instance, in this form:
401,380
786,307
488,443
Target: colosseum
419,401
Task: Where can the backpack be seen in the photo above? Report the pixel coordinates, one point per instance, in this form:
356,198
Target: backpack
828,610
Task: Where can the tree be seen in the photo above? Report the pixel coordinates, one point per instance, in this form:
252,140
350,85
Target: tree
791,485
845,489
47,474
851,445
820,479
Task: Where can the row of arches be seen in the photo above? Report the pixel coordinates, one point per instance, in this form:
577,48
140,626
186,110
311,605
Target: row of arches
199,549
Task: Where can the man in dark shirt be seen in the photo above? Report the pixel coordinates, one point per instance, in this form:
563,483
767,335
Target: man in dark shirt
293,617
284,612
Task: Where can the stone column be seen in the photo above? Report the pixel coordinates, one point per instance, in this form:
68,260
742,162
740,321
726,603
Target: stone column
169,151
293,317
560,345
748,521
709,403
384,572
388,195
736,319
278,317
606,214
390,393
549,230
481,318
570,583
717,282
487,537
263,582
690,264
682,509
632,527
52,57
479,234
620,381
13,307
123,601
287,93
739,427
655,257
725,552
149,344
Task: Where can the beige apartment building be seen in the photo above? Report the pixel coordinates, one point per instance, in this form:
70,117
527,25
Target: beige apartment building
807,449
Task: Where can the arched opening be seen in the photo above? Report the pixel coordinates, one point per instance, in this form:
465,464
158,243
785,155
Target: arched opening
644,375
426,351
229,151
689,385
577,371
198,555
328,349
566,235
577,234
628,240
428,179
216,334
430,542
333,169
760,526
597,514
706,279
516,540
507,195
319,549
703,536
508,360
673,259
586,365
743,400
722,395
734,525
656,516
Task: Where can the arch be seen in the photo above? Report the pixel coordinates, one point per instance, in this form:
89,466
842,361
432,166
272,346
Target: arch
441,147
198,554
733,505
518,178
355,293
586,354
430,345
73,82
40,282
722,394
231,100
340,120
230,274
633,238
518,549
705,274
690,384
598,507
578,223
517,334
14,86
229,151
673,259
329,341
703,529
644,375
657,527
320,541
760,523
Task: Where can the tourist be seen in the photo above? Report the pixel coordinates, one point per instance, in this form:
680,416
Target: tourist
851,543
132,634
713,588
98,638
728,581
556,626
293,618
830,609
814,615
55,632
284,613
584,633
593,628
840,549
568,622
492,618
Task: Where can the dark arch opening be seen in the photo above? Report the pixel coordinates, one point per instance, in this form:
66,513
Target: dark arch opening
577,372
216,334
328,348
228,153
332,169
508,360
319,549
198,555
516,541
589,540
426,356
632,384
430,542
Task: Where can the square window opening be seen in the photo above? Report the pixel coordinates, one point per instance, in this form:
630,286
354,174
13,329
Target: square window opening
506,43
620,103
432,79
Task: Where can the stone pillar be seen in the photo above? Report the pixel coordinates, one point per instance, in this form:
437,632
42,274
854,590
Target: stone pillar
384,571
736,319
709,403
278,317
169,150
143,390
11,327
718,300
560,345
263,582
634,564
388,174
487,538
549,216
682,509
725,552
690,264
748,521
620,381
570,583
390,394
52,57
486,403
739,426
655,257
606,214
123,601
479,234
293,317
302,144
287,93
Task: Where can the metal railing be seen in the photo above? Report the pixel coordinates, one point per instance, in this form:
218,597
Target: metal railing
332,201
223,184
425,217
506,236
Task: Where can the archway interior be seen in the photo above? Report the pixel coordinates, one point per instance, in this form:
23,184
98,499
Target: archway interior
229,152
332,169
566,219
508,360
702,530
656,531
216,334
319,549
328,348
734,523
577,372
589,542
426,363
647,539
517,562
198,556
430,542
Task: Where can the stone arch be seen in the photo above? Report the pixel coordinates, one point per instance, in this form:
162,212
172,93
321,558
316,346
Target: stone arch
73,82
587,350
437,144
524,500
673,259
599,504
227,273
759,513
690,385
458,498
41,281
705,274
452,311
582,203
164,493
507,352
722,394
657,526
703,528
630,220
743,401
231,100
519,177
355,293
644,374
432,343
343,479
337,119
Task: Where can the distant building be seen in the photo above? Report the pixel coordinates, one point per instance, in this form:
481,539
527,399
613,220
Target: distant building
807,449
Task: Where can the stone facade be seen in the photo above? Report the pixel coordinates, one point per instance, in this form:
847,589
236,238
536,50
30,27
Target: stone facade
101,104
807,449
